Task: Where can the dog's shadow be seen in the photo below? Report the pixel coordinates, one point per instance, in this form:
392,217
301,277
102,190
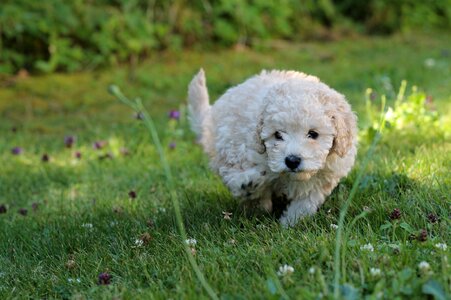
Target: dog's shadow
216,209
397,188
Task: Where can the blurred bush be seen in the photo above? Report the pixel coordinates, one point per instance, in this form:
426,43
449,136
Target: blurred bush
57,35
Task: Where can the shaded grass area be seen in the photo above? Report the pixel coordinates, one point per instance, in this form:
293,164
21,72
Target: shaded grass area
239,257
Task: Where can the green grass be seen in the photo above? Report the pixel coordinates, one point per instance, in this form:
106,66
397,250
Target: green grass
239,258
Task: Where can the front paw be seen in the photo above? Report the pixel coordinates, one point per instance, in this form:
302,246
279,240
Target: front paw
247,189
244,184
288,221
297,210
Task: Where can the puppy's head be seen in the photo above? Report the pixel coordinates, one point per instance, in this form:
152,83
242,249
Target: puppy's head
303,124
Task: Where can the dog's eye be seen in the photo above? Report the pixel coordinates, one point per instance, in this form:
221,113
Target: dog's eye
312,134
278,136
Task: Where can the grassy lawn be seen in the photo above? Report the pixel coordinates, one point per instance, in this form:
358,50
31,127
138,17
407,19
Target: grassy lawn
69,219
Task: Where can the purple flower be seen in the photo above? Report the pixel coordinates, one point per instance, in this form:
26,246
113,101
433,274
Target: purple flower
45,157
174,114
99,145
69,141
78,155
16,150
132,194
395,214
3,209
104,279
172,145
423,235
23,211
432,218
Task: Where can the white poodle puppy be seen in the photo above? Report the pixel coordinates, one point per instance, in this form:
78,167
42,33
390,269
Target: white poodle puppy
280,134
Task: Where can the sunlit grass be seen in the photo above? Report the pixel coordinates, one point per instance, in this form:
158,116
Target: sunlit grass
240,257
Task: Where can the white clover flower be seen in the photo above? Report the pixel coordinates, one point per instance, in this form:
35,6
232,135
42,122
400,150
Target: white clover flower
87,225
441,246
311,270
429,62
424,266
375,272
367,247
285,270
334,226
139,243
71,280
191,242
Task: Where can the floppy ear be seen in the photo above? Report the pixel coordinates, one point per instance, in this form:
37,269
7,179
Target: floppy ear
344,120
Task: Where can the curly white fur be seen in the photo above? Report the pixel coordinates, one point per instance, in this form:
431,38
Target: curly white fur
278,134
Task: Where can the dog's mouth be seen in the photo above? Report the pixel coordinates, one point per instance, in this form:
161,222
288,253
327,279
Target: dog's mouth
301,175
294,171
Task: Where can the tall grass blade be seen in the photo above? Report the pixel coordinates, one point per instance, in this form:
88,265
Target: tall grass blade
138,107
345,207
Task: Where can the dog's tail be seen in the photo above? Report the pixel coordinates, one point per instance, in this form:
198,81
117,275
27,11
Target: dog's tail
198,104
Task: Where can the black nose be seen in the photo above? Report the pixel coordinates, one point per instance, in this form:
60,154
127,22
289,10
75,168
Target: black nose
292,161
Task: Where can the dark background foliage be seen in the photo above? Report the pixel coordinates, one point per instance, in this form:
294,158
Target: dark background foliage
55,35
